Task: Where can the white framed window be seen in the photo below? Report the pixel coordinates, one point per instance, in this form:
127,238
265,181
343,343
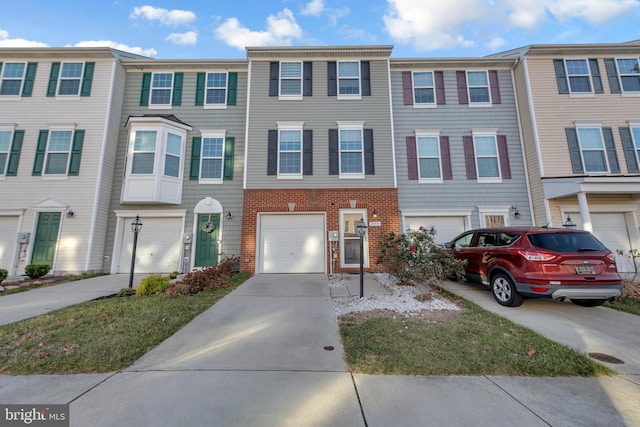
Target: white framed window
349,239
290,150
161,89
351,150
485,146
291,79
144,151
173,155
6,137
58,152
424,92
592,149
13,74
349,79
429,158
494,216
579,75
212,157
478,87
70,78
216,90
629,74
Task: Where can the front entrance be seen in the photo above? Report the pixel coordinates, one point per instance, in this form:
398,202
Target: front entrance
44,243
207,240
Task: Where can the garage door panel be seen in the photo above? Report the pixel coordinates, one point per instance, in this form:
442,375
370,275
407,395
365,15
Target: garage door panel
158,248
447,227
611,230
8,236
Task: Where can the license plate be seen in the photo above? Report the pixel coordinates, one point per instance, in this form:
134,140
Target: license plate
584,269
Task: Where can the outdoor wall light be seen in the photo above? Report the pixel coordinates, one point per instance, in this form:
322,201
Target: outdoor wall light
374,213
516,213
70,214
229,216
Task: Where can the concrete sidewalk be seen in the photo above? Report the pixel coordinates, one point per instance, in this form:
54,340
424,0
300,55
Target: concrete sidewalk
270,354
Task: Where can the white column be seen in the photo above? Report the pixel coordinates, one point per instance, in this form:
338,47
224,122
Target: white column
584,212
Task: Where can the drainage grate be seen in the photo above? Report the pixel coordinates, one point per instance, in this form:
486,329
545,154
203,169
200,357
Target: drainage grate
606,358
328,347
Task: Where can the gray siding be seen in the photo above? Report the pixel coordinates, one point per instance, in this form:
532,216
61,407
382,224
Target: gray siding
320,113
456,120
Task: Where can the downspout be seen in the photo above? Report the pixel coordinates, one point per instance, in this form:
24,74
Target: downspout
393,135
246,128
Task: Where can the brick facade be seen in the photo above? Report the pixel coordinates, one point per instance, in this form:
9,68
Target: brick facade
329,201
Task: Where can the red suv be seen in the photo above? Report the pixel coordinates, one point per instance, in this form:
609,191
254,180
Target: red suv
520,263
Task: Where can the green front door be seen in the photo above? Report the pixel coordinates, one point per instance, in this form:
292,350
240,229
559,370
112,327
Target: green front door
44,244
207,240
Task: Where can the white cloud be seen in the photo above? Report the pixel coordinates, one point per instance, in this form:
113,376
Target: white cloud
165,16
119,46
5,41
314,8
188,38
496,43
282,29
592,11
525,14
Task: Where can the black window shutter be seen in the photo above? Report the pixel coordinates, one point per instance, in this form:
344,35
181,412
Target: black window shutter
503,152
53,79
232,89
412,158
28,78
407,88
194,172
365,76
41,149
612,75
146,89
595,75
461,78
229,144
87,78
494,86
307,76
307,152
76,153
201,79
610,146
274,78
629,150
272,152
14,156
176,99
369,164
445,155
334,162
561,76
574,150
469,157
332,78
439,81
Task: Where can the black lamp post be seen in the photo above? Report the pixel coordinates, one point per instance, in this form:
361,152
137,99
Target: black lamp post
361,229
136,226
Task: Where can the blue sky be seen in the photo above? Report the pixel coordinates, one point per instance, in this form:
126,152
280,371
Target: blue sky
212,29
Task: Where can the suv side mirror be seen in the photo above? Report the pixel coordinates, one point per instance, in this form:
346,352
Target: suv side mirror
449,245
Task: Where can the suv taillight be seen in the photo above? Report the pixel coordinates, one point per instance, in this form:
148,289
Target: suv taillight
611,258
535,255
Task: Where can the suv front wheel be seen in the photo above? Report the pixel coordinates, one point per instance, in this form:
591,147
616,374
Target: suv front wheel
504,291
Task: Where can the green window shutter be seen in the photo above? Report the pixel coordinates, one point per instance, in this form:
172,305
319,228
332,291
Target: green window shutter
232,90
53,79
595,75
14,156
29,78
629,150
41,149
146,89
176,99
228,158
561,76
574,150
201,79
610,147
196,141
87,79
612,75
76,153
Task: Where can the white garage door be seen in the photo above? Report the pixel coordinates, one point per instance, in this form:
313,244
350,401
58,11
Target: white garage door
291,244
611,230
158,249
447,227
8,236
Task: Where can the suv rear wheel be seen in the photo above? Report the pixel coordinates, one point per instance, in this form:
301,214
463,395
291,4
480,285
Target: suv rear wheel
504,291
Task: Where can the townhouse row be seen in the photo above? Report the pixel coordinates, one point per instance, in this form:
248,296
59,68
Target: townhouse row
276,158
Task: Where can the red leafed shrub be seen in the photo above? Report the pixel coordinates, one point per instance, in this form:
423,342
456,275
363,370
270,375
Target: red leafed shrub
206,278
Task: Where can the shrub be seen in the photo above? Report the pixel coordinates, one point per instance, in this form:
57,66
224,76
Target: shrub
153,284
35,271
206,278
3,274
414,257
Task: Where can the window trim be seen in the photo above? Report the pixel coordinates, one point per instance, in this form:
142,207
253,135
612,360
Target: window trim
291,126
471,103
211,134
79,79
170,89
417,104
629,93
298,96
484,211
22,79
11,130
213,106
65,174
636,143
359,126
589,75
436,136
359,78
494,135
598,126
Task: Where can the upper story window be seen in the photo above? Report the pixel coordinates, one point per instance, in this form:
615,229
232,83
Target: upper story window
161,88
144,152
629,73
5,149
290,152
351,152
70,78
487,162
578,75
291,79
212,157
12,78
429,166
349,78
486,156
164,90
592,149
635,132
478,85
58,152
423,87
216,89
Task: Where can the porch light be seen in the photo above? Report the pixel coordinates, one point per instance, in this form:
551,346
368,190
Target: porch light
569,224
